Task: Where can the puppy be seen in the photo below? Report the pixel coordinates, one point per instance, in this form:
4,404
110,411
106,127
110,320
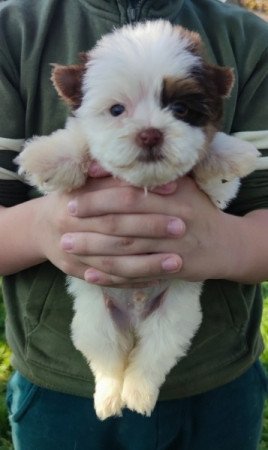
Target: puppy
147,107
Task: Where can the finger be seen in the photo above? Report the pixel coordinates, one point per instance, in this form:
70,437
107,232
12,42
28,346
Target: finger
99,244
94,184
149,226
73,267
118,199
103,279
135,266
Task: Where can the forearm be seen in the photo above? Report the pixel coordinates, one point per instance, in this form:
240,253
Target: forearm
18,237
30,233
248,246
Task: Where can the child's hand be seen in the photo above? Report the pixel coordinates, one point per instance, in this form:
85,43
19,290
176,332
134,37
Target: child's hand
124,236
99,222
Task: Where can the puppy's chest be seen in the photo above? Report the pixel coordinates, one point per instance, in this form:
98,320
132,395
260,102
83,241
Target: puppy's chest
128,307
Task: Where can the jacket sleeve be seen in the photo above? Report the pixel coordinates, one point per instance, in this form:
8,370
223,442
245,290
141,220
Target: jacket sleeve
251,124
12,118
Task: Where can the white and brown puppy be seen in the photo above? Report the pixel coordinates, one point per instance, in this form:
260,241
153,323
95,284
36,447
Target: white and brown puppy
147,107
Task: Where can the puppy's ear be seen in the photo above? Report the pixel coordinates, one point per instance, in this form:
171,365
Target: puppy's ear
67,81
223,78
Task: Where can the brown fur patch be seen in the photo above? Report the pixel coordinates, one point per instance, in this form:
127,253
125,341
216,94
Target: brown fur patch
84,57
192,94
223,78
194,39
201,92
178,87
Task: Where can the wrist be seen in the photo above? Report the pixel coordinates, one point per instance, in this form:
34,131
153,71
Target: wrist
245,259
231,248
19,241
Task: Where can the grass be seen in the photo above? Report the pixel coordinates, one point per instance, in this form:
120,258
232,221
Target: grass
5,370
264,329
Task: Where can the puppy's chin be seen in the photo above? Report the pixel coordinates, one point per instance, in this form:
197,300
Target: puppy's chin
175,157
150,174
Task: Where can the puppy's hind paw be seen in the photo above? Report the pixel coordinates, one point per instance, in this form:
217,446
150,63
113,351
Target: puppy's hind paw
139,395
107,399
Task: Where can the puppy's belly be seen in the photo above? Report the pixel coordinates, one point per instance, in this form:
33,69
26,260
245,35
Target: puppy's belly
128,307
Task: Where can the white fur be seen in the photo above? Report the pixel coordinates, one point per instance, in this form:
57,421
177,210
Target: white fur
65,149
117,60
131,363
129,375
219,173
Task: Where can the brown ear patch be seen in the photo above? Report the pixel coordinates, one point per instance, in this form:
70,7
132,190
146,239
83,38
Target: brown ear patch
223,79
67,81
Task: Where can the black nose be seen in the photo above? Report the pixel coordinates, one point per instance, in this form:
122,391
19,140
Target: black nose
149,138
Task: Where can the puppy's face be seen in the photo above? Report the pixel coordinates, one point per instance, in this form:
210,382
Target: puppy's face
147,101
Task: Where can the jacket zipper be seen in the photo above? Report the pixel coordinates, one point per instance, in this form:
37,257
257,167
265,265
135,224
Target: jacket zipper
133,13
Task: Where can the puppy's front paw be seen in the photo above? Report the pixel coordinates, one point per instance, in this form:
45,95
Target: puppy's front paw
107,398
55,162
49,170
139,394
243,161
232,157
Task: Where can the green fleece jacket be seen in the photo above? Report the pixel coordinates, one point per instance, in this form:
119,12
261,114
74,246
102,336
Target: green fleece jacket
35,33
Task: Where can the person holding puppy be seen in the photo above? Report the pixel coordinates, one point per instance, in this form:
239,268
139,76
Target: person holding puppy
214,397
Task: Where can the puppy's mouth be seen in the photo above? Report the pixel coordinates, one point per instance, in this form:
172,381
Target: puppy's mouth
151,155
154,155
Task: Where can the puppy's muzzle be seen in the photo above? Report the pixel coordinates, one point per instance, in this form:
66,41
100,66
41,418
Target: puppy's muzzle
150,140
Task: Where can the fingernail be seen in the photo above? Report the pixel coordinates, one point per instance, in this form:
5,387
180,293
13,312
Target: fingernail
92,276
170,264
67,242
72,207
167,188
175,227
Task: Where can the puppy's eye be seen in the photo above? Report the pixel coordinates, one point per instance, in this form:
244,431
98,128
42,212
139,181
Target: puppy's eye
179,109
117,110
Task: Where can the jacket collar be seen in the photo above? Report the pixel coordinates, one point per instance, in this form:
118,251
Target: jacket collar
151,9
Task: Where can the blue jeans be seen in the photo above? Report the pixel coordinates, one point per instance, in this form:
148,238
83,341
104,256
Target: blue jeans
227,418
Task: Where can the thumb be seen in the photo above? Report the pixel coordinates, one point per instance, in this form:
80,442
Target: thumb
96,171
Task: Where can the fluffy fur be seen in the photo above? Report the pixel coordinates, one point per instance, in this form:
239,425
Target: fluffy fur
147,107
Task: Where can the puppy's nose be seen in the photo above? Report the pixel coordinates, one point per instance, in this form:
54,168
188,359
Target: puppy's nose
149,138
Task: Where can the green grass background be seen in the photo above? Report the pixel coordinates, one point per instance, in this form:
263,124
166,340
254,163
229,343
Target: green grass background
5,371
